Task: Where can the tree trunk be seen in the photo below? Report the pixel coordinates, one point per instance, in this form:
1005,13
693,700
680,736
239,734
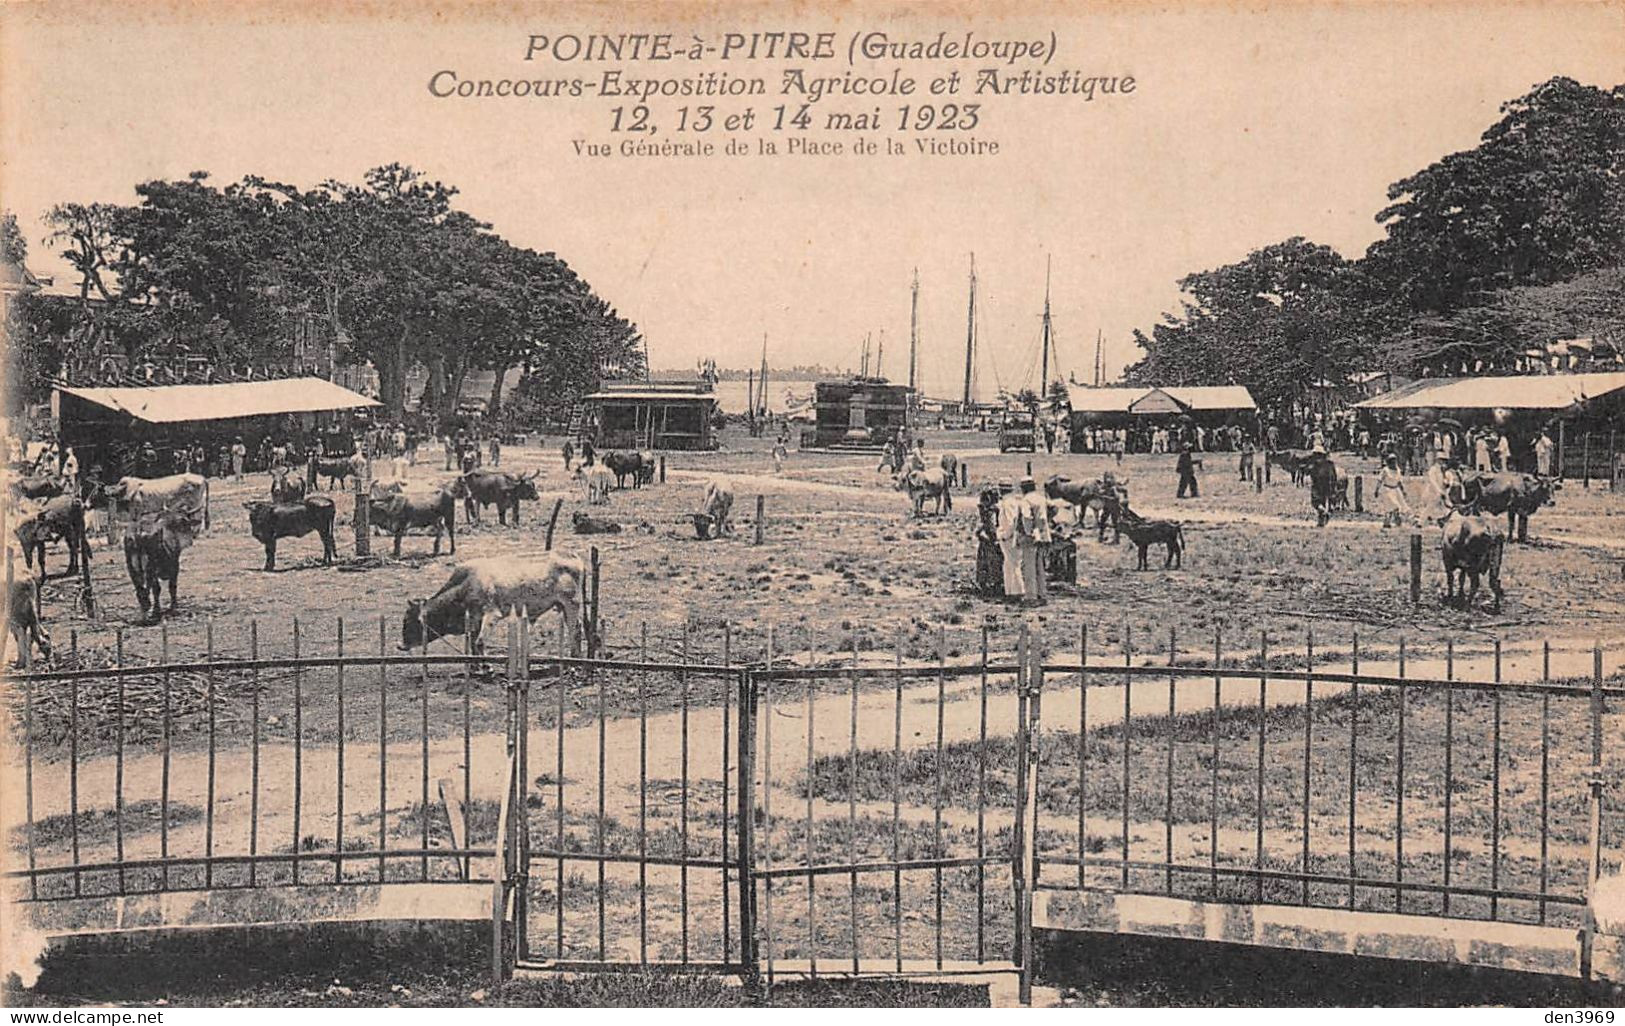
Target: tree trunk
496,392
457,374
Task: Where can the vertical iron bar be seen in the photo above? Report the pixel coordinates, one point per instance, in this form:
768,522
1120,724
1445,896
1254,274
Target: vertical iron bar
897,810
682,827
1018,833
1083,751
163,812
937,852
1545,774
1449,759
643,798
468,739
1594,845
767,800
981,812
560,685
298,748
28,757
749,956
1213,778
1128,726
338,818
254,755
1258,836
208,821
383,759
1168,777
1308,747
1495,790
812,881
521,821
423,736
1354,755
852,808
596,677
1399,791
73,761
744,871
118,766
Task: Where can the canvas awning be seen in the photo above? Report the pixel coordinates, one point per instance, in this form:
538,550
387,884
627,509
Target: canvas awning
1518,392
179,404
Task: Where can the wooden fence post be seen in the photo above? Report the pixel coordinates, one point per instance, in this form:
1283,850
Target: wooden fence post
964,476
662,470
1359,493
1416,568
1258,482
1585,461
761,512
592,619
363,526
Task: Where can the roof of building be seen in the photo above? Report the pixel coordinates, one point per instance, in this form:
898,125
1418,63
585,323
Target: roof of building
1120,399
176,404
1108,399
654,395
1516,392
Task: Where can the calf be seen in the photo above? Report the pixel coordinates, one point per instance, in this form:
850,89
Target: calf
337,468
1471,546
1145,533
1294,461
24,626
61,518
927,484
594,485
646,472
285,487
268,522
395,511
1107,496
505,586
584,524
152,555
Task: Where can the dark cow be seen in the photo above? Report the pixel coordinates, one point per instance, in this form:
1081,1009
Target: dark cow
582,523
1516,495
624,465
502,585
1108,497
927,484
152,555
1471,546
397,511
337,468
480,488
646,473
61,518
270,521
1295,462
1146,533
22,613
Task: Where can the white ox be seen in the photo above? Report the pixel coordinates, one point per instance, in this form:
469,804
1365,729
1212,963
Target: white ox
505,586
146,499
718,505
595,481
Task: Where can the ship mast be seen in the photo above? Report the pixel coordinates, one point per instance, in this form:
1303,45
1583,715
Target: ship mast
970,333
761,382
1043,374
1100,361
914,337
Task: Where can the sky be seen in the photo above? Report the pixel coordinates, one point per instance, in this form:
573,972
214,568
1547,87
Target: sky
1248,125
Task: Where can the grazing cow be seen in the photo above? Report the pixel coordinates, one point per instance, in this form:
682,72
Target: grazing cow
61,518
1145,533
1107,496
1470,546
285,487
1516,495
624,465
395,512
503,585
481,488
270,521
152,555
42,486
927,484
716,508
337,468
187,494
24,626
582,523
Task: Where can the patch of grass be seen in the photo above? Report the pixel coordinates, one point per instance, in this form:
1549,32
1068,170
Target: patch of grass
98,827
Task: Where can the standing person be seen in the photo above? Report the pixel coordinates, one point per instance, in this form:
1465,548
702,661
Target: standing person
496,450
1439,479
916,459
445,441
1011,522
1391,493
588,453
1035,540
1187,473
569,453
1543,453
400,439
779,454
70,470
1503,452
239,453
887,457
1246,446
1481,452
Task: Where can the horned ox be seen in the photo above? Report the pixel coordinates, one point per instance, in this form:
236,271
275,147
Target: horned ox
504,586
